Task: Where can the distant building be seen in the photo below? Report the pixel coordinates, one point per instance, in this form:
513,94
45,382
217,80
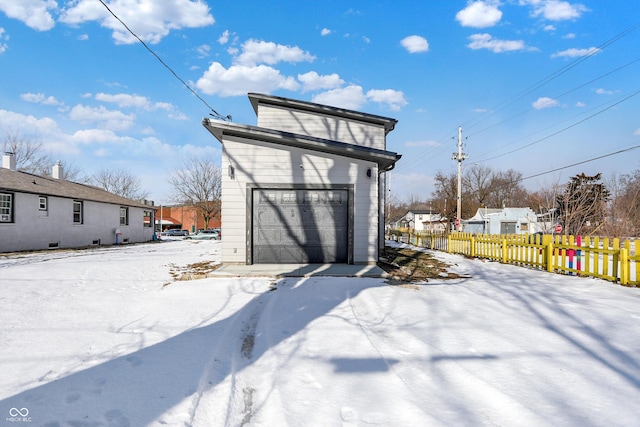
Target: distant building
502,221
185,217
423,220
38,212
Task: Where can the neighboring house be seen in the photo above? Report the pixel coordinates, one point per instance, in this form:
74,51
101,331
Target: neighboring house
38,212
423,220
502,221
306,185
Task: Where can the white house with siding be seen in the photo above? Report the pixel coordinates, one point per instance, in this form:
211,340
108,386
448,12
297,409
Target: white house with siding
38,212
306,185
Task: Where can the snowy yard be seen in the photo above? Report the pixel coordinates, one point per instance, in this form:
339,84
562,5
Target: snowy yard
95,338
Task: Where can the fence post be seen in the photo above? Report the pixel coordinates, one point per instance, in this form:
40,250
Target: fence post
505,250
548,249
624,265
472,249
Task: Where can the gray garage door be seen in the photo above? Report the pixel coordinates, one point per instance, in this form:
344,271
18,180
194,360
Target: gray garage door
300,226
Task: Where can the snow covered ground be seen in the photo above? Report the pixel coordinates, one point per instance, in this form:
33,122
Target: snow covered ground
94,338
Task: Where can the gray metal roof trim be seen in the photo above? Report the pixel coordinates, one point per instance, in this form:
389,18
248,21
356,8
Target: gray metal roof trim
385,159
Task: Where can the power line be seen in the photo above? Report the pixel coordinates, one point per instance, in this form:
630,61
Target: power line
563,129
215,113
553,75
582,162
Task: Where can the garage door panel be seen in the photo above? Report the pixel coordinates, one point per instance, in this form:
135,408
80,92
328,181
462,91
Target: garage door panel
292,226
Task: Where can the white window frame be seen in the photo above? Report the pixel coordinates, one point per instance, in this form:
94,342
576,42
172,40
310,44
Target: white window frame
6,207
124,215
43,203
80,204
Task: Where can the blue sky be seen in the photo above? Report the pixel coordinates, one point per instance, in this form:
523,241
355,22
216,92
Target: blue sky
536,85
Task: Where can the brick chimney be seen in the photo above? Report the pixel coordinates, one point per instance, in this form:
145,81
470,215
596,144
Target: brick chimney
9,161
58,171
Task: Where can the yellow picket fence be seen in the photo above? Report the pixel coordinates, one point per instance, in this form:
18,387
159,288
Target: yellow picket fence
583,256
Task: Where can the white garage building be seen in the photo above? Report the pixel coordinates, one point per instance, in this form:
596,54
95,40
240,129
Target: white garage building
306,185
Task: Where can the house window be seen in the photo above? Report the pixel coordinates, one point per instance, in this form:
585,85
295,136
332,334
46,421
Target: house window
124,216
42,203
77,212
148,219
6,207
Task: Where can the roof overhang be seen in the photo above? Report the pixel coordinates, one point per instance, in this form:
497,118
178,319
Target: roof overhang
386,160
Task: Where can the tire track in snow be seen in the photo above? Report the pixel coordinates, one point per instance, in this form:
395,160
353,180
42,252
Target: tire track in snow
491,405
222,394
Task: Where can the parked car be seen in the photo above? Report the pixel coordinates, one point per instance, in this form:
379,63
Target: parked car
205,235
176,232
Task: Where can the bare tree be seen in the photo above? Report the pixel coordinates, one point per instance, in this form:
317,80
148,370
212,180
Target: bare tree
479,183
31,157
624,207
120,182
28,153
582,206
198,183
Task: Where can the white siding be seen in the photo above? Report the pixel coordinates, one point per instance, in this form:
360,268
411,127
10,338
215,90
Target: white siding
33,229
272,164
322,126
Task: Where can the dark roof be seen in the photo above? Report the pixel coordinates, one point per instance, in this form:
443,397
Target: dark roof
24,182
292,104
385,159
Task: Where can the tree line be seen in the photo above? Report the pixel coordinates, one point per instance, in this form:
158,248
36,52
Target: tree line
586,204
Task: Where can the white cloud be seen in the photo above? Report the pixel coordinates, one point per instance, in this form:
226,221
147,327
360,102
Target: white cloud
426,143
637,132
580,104
556,10
313,81
486,41
549,28
569,36
353,97
151,24
544,102
203,50
574,53
325,32
601,91
260,52
224,37
240,79
393,98
124,100
40,98
350,97
83,37
415,44
3,46
480,14
101,117
34,13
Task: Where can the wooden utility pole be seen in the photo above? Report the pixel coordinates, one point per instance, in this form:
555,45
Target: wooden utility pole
459,156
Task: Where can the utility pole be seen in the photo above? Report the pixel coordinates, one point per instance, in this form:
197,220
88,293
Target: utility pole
459,156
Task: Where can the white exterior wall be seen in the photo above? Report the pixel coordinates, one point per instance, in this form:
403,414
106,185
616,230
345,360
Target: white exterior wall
33,229
273,164
322,126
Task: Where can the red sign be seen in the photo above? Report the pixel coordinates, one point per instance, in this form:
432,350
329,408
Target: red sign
558,228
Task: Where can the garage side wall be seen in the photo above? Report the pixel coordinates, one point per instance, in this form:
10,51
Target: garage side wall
321,126
250,164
